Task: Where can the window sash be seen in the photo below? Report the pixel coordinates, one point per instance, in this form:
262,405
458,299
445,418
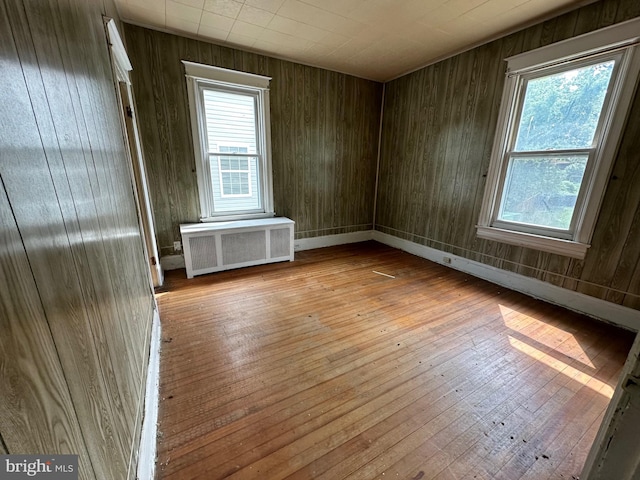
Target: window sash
246,139
522,81
567,233
208,152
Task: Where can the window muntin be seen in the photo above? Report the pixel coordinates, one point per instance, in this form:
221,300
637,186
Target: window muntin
230,119
584,141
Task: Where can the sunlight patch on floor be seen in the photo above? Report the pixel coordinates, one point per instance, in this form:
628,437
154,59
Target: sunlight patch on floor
512,319
561,367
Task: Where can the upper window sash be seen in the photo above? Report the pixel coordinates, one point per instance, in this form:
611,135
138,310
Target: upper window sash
207,85
523,80
618,41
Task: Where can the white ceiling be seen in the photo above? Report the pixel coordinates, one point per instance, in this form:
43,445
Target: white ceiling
375,39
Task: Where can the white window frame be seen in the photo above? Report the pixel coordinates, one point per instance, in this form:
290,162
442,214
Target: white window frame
622,39
201,76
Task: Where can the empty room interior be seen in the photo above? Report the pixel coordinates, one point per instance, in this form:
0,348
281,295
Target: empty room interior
366,239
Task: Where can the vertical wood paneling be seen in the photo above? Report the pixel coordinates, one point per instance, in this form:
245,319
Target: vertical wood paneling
439,125
77,304
37,412
34,203
282,140
54,112
324,128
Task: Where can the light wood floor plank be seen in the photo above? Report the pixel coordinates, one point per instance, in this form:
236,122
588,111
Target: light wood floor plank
322,368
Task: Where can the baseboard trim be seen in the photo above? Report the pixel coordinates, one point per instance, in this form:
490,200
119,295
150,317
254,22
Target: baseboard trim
578,302
172,262
148,437
332,240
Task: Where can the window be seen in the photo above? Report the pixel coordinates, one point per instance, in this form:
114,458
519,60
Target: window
563,108
230,126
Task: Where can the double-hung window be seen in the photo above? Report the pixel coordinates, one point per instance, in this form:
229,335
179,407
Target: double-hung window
230,126
563,108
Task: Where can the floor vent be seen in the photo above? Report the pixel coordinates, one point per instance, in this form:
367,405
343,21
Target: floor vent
216,246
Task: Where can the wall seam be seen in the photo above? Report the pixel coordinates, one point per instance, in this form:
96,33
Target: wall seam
375,191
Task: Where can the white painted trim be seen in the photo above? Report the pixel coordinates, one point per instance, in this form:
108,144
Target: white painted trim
258,223
530,240
172,262
224,75
120,57
332,240
578,302
147,451
613,36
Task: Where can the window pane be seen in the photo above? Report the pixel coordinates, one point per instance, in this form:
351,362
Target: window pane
231,120
542,190
561,111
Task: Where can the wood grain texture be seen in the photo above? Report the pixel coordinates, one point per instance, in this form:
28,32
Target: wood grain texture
439,124
324,129
69,191
37,411
322,368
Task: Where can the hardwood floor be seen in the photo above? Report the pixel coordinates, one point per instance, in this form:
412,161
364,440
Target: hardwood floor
362,361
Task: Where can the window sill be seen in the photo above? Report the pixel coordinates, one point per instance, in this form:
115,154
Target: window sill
232,218
546,244
256,223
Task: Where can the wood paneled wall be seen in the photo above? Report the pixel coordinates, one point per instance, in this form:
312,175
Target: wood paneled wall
438,129
324,136
75,303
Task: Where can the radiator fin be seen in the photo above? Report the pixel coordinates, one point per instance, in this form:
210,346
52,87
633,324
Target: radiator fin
244,247
203,252
280,242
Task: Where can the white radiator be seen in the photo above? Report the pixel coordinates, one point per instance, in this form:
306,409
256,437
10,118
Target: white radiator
215,246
